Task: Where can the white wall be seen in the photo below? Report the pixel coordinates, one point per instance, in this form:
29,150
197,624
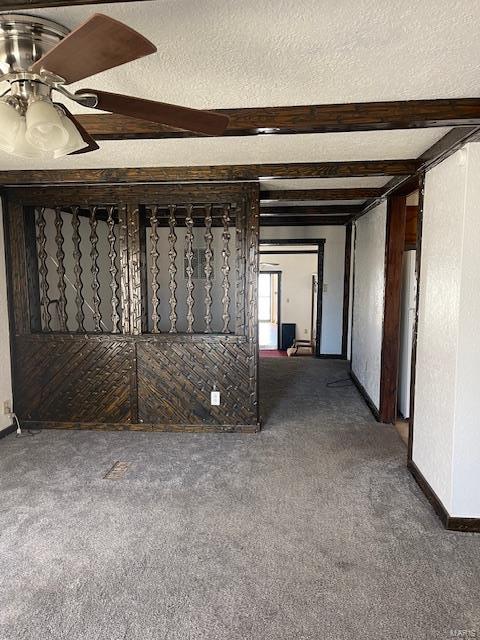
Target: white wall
334,264
5,375
296,288
368,299
446,440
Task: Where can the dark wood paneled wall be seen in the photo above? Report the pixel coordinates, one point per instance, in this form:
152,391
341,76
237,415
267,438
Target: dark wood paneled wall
134,379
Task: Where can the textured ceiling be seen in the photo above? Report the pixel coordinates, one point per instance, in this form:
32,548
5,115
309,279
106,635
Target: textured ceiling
371,145
324,183
220,53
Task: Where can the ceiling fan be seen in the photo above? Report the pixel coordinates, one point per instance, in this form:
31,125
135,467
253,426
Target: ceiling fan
39,56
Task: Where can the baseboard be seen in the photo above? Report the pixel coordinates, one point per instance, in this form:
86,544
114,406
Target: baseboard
365,396
331,356
7,430
452,523
117,426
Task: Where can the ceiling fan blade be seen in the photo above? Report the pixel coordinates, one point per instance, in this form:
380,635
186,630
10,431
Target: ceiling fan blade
87,138
98,44
171,115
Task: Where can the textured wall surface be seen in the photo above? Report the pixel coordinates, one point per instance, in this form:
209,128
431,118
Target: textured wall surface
466,452
437,325
334,263
368,299
5,377
446,444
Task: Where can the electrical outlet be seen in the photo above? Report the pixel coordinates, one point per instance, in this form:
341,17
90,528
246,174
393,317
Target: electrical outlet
7,409
215,398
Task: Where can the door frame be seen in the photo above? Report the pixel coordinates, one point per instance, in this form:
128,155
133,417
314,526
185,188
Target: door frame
418,261
279,303
394,249
320,251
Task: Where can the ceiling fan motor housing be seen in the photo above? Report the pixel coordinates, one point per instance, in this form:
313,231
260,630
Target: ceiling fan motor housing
25,39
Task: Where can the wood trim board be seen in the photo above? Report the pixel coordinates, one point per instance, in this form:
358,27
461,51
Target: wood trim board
453,523
302,119
363,392
243,172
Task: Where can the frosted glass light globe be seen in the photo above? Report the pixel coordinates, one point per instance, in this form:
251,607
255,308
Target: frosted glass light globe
10,121
45,129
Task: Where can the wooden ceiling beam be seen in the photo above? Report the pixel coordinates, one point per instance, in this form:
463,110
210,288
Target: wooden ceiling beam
208,173
13,5
328,118
439,151
308,195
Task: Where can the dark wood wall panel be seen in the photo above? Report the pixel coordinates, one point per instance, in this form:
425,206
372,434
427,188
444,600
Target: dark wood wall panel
134,379
73,379
175,380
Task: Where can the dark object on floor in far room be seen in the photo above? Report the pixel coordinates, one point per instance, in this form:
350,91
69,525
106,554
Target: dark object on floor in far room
289,330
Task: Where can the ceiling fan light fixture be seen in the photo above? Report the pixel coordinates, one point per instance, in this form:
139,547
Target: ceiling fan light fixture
74,143
10,121
39,56
45,128
23,148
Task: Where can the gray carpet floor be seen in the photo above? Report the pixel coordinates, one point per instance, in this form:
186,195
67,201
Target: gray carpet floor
312,529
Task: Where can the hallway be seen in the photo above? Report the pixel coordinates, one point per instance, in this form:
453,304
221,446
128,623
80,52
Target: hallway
312,529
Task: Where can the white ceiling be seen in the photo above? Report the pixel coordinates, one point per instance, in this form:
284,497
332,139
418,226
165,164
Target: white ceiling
371,145
220,53
324,183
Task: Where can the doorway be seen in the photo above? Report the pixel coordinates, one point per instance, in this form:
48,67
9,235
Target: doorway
408,302
269,310
290,296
